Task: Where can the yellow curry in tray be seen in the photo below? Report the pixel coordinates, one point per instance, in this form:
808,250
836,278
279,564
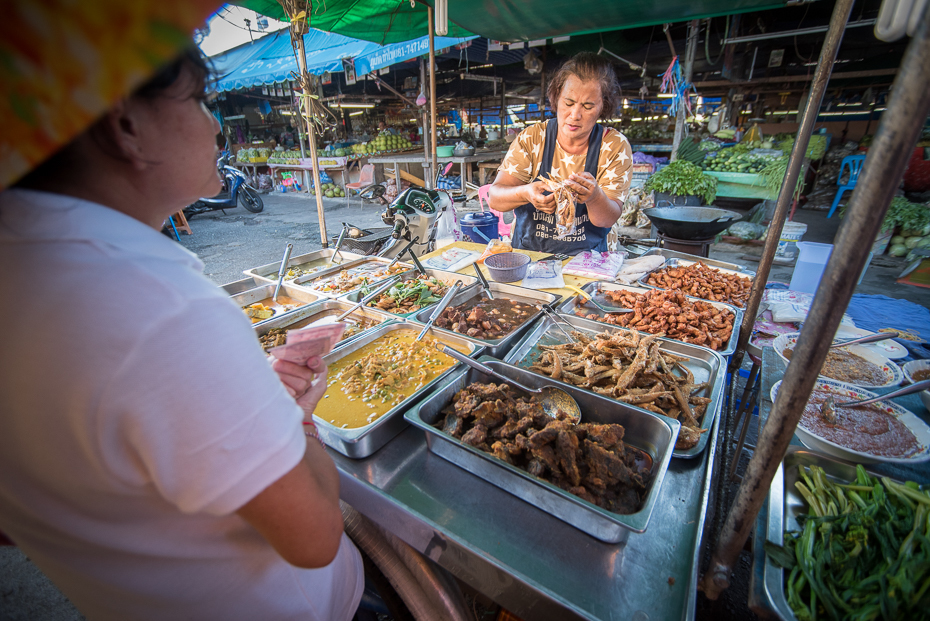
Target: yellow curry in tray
364,385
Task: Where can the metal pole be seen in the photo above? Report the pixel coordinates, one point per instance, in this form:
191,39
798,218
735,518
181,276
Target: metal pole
689,66
432,94
311,138
819,85
881,173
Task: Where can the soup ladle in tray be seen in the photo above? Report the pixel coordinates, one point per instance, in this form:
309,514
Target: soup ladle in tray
828,407
551,397
443,303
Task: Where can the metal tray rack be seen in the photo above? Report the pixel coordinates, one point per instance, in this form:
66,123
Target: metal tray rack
306,315
269,272
706,365
262,292
568,308
496,347
243,285
448,277
653,434
363,441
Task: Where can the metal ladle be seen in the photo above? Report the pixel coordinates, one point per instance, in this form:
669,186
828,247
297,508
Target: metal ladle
872,338
282,271
551,398
828,407
605,309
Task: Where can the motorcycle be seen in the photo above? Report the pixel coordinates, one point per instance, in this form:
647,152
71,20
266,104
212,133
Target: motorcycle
236,191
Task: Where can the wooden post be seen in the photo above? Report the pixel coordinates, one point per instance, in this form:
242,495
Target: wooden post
434,168
424,116
311,138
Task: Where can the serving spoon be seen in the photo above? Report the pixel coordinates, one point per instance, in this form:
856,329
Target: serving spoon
551,398
828,407
871,338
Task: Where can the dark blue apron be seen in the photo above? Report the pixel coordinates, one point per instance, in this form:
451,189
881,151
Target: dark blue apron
535,230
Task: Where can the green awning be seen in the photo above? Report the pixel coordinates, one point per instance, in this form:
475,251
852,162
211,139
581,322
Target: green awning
393,21
380,21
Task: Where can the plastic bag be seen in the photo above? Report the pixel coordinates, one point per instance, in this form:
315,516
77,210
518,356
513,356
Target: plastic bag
445,229
746,230
544,275
565,206
495,246
596,265
634,269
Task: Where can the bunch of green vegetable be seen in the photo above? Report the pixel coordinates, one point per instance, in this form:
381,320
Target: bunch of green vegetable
688,150
816,146
419,289
912,221
864,552
773,176
734,160
682,178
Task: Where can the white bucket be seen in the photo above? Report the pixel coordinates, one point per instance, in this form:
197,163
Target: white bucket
812,260
791,233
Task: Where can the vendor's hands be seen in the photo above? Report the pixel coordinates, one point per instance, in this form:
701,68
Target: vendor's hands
306,383
539,199
584,185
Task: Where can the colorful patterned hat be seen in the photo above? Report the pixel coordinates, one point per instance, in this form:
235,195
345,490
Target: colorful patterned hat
65,62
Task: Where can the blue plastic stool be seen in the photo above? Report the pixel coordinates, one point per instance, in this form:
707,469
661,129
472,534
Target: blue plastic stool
854,162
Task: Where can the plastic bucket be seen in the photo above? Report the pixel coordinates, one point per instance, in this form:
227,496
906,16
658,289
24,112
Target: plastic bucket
791,234
480,227
812,260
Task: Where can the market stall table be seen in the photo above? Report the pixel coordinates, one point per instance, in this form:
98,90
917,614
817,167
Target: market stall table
520,556
329,164
418,158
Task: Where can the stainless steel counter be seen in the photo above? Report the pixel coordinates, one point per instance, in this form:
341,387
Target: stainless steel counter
531,563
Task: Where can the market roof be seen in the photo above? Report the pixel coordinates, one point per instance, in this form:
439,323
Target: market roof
392,21
271,59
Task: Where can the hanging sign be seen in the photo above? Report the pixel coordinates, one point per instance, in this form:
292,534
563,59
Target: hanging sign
495,46
348,64
327,78
384,70
536,43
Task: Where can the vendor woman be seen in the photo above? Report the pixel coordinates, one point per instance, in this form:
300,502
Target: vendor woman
594,161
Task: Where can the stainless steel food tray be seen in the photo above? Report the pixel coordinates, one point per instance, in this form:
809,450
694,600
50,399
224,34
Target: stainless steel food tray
269,272
706,365
496,347
653,434
243,285
569,305
785,503
447,277
365,264
673,257
262,292
323,308
363,441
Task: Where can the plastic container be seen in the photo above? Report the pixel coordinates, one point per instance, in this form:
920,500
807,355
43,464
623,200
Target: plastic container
812,260
507,266
445,151
791,234
479,227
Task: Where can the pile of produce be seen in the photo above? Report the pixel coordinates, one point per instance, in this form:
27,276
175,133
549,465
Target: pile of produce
633,369
864,552
384,143
682,178
587,460
911,220
646,133
256,156
330,190
284,157
735,159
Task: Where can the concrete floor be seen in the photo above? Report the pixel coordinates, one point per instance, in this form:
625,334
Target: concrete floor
232,242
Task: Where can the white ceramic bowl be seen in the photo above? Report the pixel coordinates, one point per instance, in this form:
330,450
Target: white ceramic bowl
890,348
911,367
847,391
892,371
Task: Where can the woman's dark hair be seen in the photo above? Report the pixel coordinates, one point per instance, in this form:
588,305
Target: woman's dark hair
200,77
587,67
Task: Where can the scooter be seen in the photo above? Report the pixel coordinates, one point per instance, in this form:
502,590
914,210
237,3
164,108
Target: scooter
236,190
413,216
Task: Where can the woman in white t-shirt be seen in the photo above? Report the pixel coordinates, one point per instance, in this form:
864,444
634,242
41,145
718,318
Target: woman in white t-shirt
155,466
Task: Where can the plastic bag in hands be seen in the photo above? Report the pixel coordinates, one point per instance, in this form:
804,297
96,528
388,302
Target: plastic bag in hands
565,206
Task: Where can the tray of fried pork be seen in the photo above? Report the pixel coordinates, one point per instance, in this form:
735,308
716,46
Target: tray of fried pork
699,280
414,292
672,314
602,476
373,379
273,333
648,373
674,258
497,323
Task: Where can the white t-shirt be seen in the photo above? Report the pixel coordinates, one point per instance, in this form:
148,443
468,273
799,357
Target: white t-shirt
137,414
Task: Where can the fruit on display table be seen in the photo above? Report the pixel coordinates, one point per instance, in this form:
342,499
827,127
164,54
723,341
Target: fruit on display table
330,190
383,143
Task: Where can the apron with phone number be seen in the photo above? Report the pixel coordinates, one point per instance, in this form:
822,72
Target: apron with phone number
535,230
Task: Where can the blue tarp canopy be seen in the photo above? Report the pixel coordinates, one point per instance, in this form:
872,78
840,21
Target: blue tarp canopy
270,60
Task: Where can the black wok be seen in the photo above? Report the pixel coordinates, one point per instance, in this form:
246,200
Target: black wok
691,222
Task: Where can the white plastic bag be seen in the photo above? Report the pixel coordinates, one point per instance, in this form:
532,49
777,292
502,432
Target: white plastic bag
596,265
544,275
